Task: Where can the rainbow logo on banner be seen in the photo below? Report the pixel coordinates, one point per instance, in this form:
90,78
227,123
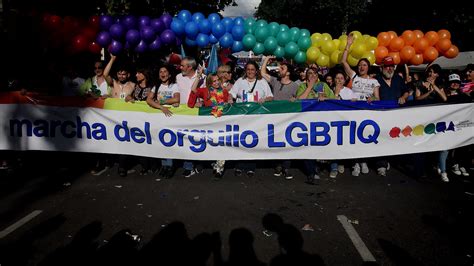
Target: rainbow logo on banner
421,130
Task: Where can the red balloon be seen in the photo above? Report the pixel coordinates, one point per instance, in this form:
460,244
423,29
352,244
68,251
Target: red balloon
94,48
89,33
94,22
452,52
54,22
79,43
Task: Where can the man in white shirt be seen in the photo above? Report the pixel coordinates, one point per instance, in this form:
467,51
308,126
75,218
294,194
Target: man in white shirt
186,78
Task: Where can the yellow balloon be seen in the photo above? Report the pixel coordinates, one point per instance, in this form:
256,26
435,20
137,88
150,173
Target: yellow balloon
356,34
336,43
312,54
371,43
343,37
358,49
342,44
323,60
327,36
352,61
365,36
370,56
336,57
315,37
328,47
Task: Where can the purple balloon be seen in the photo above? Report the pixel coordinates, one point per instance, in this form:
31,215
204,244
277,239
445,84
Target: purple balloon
147,34
178,41
166,19
132,37
115,47
116,31
167,37
105,22
143,21
103,38
129,22
157,25
141,47
155,45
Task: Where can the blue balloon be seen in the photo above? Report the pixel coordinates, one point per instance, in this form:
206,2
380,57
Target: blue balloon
177,26
141,47
129,22
226,40
168,37
166,19
212,39
155,45
143,21
190,42
239,21
198,16
116,31
191,29
214,18
218,30
238,32
157,25
106,21
147,34
185,15
115,47
103,38
205,26
132,37
202,40
237,46
228,23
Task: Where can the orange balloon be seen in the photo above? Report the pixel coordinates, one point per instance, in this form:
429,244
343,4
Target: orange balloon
383,38
392,34
444,34
396,44
452,52
420,45
396,57
407,53
409,37
443,45
417,59
418,34
381,52
432,37
430,54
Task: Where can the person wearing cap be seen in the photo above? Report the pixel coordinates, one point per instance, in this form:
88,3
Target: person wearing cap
392,86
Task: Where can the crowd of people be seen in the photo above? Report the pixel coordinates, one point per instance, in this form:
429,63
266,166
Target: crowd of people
163,88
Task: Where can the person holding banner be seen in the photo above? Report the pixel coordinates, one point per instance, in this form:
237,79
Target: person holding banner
213,95
432,88
96,85
364,87
224,72
162,96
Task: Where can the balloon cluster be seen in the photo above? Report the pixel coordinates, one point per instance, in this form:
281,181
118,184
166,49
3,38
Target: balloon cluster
276,39
197,30
326,51
139,34
415,47
76,35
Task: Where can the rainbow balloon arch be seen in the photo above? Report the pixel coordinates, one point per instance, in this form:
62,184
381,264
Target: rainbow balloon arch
145,34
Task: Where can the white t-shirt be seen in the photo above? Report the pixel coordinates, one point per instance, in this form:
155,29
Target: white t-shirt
242,87
346,94
166,92
363,88
184,85
102,87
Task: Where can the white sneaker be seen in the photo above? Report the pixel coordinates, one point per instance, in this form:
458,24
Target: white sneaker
439,170
455,169
464,171
333,174
340,169
382,171
444,177
365,169
356,170
316,177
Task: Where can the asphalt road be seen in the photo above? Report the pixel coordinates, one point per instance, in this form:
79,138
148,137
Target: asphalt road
53,212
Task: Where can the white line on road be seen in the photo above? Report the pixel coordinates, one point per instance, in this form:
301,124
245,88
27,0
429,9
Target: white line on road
18,224
356,240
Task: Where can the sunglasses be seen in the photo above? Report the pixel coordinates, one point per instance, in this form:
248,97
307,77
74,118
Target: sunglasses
98,67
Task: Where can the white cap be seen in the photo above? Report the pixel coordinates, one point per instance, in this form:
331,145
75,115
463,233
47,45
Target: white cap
454,77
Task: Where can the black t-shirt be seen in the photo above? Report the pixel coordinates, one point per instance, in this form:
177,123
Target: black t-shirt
396,89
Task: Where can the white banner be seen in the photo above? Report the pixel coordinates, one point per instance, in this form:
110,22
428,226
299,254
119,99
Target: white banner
304,135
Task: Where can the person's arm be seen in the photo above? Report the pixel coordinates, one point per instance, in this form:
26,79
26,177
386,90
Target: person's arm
263,69
107,70
268,92
309,87
439,91
376,93
193,96
173,100
129,98
151,102
347,68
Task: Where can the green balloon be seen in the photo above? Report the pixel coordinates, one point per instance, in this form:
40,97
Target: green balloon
305,33
279,52
261,33
270,45
284,27
304,43
259,48
300,57
295,34
249,23
291,49
274,28
249,41
283,38
261,23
